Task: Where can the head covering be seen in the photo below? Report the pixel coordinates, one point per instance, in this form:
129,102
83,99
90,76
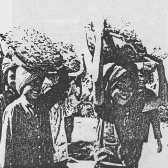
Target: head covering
24,76
116,73
113,74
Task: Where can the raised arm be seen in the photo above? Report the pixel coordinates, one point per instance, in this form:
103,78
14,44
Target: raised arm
58,90
162,83
76,88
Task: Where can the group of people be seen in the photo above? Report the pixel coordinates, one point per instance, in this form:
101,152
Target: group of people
35,106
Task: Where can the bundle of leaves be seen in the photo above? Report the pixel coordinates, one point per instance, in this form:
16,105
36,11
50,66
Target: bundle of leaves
128,35
36,50
110,49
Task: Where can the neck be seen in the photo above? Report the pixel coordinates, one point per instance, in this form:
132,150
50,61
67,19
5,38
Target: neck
31,101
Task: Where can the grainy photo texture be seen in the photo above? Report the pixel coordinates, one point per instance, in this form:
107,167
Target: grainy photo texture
83,84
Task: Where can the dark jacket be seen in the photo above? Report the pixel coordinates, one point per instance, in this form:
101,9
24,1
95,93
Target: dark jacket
30,143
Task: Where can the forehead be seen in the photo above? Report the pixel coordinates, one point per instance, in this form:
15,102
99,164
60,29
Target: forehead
125,81
37,80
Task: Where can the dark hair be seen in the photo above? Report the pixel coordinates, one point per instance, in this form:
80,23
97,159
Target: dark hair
13,69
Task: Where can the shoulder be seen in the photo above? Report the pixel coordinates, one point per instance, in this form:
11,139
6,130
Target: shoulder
9,96
10,111
2,102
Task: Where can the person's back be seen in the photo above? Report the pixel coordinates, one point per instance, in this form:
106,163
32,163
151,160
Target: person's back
31,141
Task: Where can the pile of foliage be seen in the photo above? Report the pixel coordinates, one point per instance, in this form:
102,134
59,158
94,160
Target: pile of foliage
126,34
36,50
123,33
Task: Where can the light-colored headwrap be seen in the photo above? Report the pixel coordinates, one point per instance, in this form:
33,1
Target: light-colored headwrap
115,73
23,77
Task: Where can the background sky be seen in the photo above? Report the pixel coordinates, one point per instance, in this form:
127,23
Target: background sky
63,20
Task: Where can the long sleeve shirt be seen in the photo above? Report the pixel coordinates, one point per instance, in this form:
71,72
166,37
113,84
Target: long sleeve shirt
27,139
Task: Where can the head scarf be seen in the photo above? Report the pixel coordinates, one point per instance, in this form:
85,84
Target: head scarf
24,76
116,73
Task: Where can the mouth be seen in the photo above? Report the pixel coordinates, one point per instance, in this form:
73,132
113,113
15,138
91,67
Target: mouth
124,97
35,92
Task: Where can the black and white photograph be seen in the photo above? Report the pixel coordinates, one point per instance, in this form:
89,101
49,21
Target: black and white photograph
84,84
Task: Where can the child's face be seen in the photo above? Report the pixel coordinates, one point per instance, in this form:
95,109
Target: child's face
123,91
32,90
11,79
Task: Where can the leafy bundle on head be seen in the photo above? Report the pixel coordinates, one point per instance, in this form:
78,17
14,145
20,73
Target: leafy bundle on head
133,51
36,50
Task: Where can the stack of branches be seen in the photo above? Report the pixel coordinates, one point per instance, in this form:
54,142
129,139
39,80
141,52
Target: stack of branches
132,49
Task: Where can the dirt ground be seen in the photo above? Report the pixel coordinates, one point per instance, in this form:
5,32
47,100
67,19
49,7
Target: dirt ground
84,135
